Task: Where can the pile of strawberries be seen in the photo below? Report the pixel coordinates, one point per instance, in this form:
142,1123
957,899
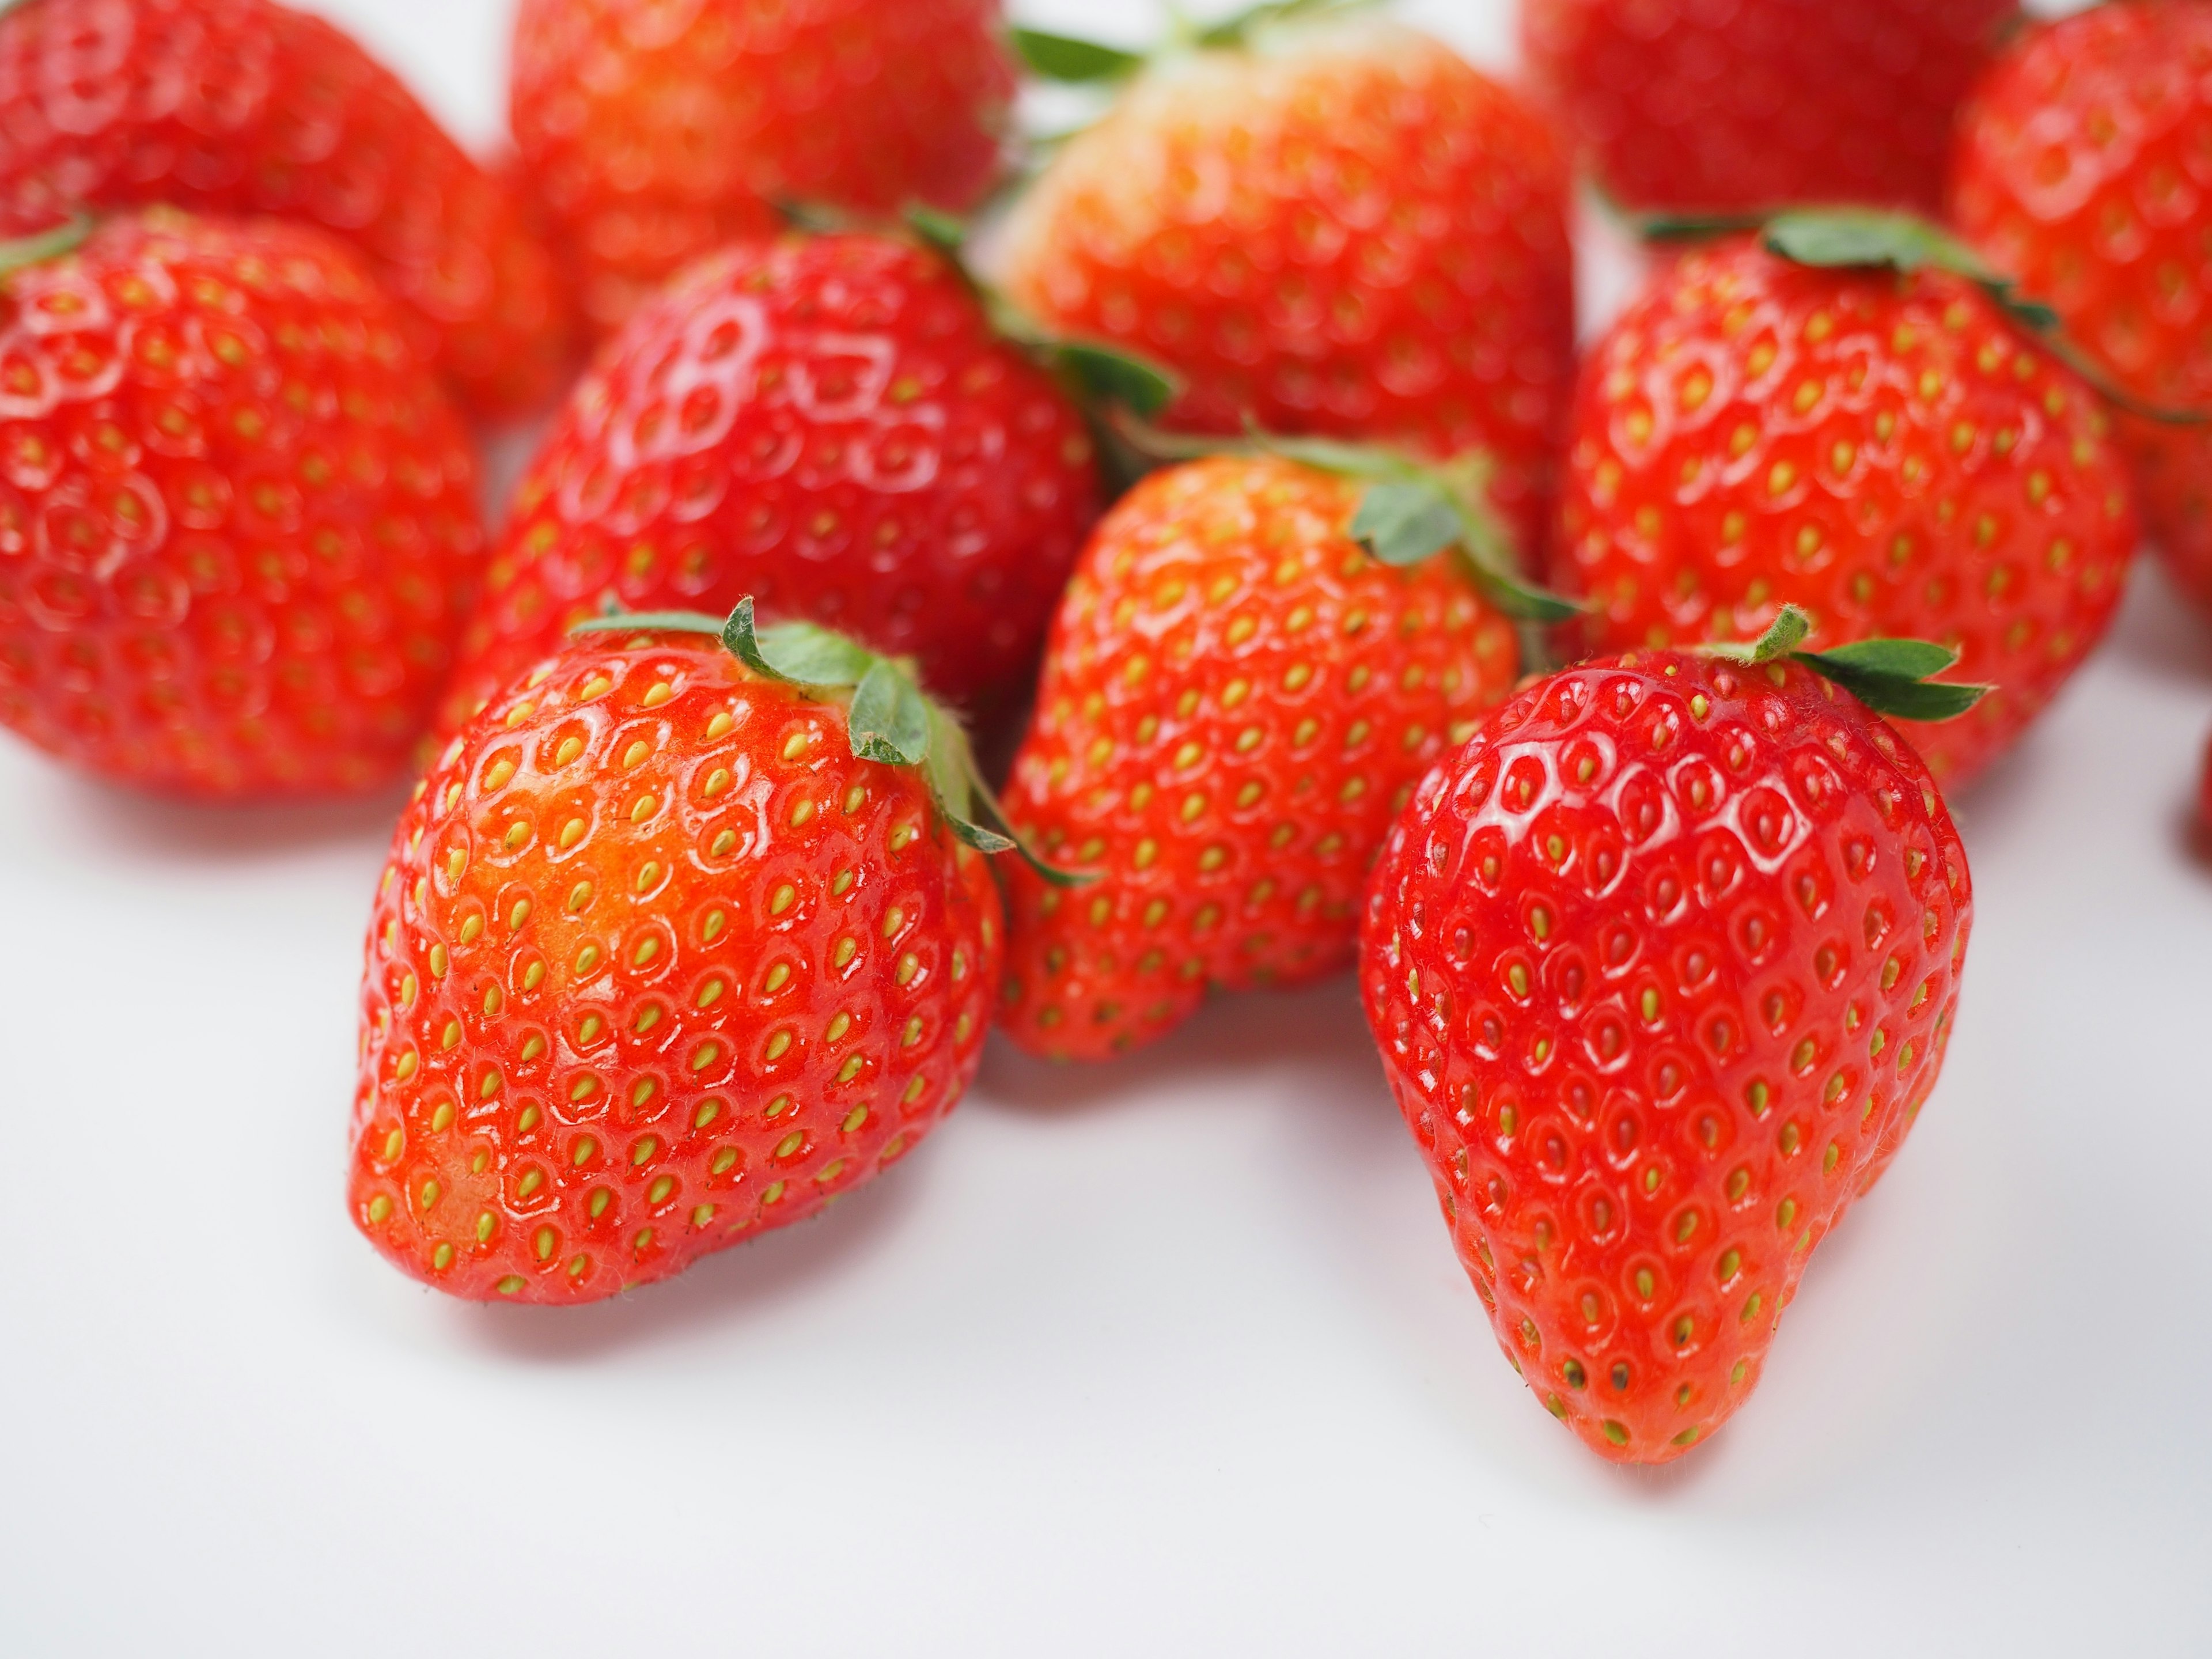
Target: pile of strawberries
1600,714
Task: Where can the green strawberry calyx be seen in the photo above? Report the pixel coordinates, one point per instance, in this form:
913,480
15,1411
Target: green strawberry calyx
39,247
888,717
1411,511
1876,239
1074,61
1097,373
1895,678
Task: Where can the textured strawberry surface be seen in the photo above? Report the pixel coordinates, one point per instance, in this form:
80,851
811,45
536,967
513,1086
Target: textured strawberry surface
1893,455
657,966
245,107
657,130
1236,701
1663,964
238,519
2084,169
826,423
1684,104
1350,233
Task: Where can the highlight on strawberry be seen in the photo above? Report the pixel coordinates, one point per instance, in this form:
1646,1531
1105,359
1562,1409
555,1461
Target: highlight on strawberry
689,933
1663,965
1847,411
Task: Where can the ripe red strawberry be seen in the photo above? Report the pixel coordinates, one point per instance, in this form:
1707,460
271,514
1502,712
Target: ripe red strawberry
1662,965
244,107
2081,171
828,423
1890,449
1682,106
673,949
657,130
1236,700
1342,229
238,518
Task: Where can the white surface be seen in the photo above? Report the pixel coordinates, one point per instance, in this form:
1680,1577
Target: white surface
1170,1358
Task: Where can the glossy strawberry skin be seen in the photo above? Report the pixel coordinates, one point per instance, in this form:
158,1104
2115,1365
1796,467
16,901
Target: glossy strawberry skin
657,131
242,106
238,517
1236,702
1662,965
1892,455
1681,106
826,423
656,966
2081,169
1352,234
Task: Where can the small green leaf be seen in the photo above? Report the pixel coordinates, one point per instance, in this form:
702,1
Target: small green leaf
1840,238
890,717
1784,635
796,652
1067,58
1904,699
946,232
1406,524
652,621
1689,226
1114,376
1907,660
45,245
1237,29
1345,460
1520,599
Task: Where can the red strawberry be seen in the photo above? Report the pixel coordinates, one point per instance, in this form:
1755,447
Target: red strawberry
828,423
657,130
673,950
1344,230
244,107
238,518
2081,171
1663,966
1236,701
1889,449
1684,105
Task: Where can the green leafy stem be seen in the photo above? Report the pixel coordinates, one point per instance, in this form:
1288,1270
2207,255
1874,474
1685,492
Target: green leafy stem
888,717
1410,511
1075,61
1894,677
1873,238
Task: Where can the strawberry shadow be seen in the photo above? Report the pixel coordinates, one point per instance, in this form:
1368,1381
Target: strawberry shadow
106,822
741,1283
1316,1027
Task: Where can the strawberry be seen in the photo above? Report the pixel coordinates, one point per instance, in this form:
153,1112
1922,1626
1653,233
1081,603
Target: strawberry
1682,106
2080,171
238,518
1236,700
1340,229
243,106
830,424
1663,965
1834,416
657,130
682,938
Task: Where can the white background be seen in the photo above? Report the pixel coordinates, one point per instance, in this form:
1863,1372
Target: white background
1173,1357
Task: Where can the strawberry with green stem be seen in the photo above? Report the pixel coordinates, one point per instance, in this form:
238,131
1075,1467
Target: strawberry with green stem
1257,658
1327,225
1849,412
837,425
689,931
1662,966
